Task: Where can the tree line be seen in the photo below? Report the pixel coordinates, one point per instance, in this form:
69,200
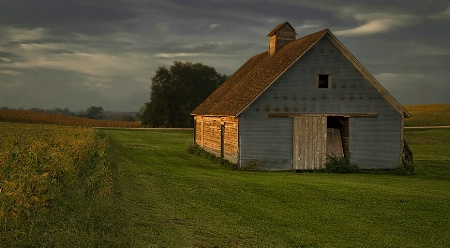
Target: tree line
92,112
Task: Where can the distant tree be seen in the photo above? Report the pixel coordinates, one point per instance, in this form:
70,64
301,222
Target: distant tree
95,112
36,110
66,111
175,92
141,112
81,113
60,111
127,117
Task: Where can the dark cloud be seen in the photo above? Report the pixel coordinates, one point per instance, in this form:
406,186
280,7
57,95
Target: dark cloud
8,57
79,53
76,15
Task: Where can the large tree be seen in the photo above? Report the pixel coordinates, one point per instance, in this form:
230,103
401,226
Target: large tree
95,112
176,91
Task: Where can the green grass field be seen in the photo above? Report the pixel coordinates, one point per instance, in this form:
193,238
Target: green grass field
176,199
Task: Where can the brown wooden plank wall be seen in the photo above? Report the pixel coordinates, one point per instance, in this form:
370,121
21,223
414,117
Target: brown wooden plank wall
231,139
208,135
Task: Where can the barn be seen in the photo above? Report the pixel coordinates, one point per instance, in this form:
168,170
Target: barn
289,107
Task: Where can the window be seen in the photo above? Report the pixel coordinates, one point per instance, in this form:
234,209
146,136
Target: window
324,81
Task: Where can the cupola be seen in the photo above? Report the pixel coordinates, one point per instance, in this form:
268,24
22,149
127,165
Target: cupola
280,36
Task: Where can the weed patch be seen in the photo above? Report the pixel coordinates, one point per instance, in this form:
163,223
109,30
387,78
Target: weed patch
198,151
406,168
252,165
340,165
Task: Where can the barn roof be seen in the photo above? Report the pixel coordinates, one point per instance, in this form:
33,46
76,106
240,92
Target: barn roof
261,70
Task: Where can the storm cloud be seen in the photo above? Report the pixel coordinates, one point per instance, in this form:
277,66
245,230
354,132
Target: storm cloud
78,53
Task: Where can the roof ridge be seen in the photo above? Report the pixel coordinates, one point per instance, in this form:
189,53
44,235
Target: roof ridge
254,77
279,53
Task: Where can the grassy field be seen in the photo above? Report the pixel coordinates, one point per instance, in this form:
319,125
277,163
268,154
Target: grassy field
175,199
428,115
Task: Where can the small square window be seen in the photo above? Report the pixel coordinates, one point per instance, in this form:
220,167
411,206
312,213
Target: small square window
324,81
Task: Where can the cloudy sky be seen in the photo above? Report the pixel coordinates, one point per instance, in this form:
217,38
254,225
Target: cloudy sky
80,53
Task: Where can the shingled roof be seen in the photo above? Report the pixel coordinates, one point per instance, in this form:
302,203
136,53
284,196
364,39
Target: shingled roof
260,71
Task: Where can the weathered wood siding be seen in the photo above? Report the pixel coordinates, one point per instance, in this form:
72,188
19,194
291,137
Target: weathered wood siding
374,142
209,136
309,142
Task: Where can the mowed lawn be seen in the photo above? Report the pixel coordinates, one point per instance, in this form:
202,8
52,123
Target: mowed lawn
175,199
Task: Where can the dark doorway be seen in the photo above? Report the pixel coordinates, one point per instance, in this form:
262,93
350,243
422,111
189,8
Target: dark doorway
338,136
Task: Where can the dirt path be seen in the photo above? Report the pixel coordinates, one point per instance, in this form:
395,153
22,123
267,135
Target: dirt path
430,127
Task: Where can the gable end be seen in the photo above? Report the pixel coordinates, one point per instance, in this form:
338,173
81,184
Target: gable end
370,78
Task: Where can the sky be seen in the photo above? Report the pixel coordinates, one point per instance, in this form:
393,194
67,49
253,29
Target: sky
80,53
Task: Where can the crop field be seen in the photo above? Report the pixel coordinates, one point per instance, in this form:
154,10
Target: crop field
25,116
48,176
428,115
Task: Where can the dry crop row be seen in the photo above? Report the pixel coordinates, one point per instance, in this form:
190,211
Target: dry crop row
36,163
428,115
26,116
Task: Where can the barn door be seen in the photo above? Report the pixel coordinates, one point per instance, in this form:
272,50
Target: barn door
309,142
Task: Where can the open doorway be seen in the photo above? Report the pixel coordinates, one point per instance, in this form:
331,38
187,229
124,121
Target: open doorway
337,136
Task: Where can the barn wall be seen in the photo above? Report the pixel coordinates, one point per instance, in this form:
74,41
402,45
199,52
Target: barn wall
208,135
374,142
267,140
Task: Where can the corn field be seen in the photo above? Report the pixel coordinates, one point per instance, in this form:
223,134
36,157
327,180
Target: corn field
37,164
25,116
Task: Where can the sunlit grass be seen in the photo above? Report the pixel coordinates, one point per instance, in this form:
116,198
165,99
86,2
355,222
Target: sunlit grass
175,199
430,144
